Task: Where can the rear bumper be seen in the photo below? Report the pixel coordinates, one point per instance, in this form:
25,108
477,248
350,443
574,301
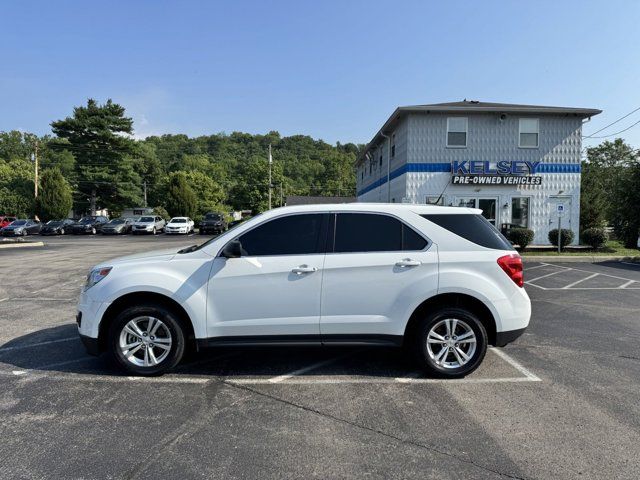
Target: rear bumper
508,336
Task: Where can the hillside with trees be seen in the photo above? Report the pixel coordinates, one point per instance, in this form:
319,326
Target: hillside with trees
95,155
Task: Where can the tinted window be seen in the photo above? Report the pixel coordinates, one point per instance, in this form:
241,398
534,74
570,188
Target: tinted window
291,235
474,228
362,232
411,240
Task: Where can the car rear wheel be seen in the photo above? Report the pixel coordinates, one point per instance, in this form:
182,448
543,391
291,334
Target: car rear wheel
450,343
146,340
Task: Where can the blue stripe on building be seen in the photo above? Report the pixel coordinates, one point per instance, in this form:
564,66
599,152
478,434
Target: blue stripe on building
446,168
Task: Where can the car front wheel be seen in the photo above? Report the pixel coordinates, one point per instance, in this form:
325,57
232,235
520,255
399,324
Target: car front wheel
146,340
450,343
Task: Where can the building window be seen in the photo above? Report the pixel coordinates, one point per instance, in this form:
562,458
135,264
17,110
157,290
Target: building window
381,160
434,200
370,166
528,133
457,132
520,211
393,145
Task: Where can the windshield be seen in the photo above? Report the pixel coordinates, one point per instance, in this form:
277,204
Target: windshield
228,234
19,222
54,223
86,220
213,216
117,221
178,220
146,219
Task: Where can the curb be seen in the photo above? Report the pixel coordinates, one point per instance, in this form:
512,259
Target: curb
21,245
579,258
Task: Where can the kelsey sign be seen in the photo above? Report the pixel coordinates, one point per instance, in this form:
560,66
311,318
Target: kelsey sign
504,172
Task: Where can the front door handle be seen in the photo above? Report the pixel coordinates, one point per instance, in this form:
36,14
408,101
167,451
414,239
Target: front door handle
302,269
407,262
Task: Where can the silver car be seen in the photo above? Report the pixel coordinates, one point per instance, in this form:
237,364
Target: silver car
149,224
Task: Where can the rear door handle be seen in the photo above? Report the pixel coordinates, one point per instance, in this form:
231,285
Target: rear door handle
302,269
407,262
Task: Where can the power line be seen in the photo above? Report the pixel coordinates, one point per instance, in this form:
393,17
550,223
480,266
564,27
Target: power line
621,131
613,123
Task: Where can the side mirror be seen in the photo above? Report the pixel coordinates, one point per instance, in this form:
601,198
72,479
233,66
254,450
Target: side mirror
233,249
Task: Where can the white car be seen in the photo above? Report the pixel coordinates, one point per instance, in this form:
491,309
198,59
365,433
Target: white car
148,224
180,225
441,281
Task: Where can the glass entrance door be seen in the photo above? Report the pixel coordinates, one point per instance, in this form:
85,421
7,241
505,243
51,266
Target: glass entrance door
488,207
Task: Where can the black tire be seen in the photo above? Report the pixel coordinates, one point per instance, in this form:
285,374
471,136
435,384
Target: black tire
176,351
62,231
93,230
154,230
423,357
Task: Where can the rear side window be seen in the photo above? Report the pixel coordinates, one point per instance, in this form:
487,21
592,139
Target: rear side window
474,228
362,232
290,235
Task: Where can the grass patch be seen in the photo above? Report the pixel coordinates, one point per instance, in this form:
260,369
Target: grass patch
612,247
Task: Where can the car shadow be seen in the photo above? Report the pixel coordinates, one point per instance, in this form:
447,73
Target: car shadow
59,350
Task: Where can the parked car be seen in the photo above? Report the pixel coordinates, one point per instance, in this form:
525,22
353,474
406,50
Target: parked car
213,223
6,220
118,226
149,224
179,225
22,227
237,222
89,224
440,281
57,227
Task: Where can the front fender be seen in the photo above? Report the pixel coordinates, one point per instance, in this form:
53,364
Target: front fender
183,280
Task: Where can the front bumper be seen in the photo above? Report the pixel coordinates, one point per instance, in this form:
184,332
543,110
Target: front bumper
10,233
90,344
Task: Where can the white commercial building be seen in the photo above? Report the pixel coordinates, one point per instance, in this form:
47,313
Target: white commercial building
520,164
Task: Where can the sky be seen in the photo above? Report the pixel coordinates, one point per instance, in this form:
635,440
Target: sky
334,70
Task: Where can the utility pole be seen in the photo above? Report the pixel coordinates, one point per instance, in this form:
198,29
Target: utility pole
270,162
145,193
34,157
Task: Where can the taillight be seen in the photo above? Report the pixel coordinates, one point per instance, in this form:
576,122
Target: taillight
512,266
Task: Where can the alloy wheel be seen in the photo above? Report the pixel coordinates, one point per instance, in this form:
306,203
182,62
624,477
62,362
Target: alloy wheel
451,343
145,341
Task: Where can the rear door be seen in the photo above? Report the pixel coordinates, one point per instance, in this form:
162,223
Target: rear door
378,267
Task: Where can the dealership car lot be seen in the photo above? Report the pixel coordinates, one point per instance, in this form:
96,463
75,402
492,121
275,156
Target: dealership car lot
560,402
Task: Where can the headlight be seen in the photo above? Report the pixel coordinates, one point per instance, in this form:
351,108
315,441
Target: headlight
95,276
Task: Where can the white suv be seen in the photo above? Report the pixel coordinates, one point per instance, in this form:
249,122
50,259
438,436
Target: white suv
441,281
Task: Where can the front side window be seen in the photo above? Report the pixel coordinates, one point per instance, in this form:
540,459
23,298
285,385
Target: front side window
529,132
520,211
457,132
363,232
393,145
290,235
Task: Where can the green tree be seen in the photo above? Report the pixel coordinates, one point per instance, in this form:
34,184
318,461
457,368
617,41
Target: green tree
593,198
54,199
180,199
209,193
615,166
98,137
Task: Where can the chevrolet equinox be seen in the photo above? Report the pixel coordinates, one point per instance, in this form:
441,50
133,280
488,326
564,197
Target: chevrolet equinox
440,281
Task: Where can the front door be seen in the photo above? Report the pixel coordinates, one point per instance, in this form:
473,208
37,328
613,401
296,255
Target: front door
488,207
273,289
376,264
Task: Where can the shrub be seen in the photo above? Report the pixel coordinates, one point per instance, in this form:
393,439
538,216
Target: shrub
567,237
521,236
596,237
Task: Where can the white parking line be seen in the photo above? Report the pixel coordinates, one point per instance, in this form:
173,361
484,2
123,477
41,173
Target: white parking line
4,299
635,264
300,371
580,281
339,381
536,266
625,285
515,364
39,344
544,276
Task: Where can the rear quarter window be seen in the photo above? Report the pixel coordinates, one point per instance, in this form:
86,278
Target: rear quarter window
474,228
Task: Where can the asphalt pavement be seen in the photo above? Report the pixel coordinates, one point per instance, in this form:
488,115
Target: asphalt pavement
560,402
